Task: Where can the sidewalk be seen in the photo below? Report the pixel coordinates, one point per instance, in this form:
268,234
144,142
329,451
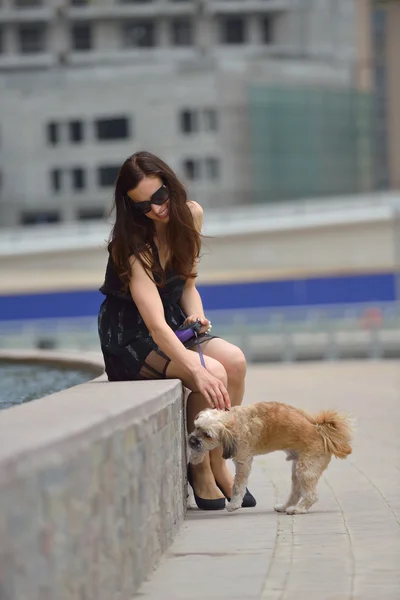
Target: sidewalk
347,547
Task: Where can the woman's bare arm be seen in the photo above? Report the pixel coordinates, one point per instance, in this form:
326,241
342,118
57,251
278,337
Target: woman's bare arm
191,302
146,297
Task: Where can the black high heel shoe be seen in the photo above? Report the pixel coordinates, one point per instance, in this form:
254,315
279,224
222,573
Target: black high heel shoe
202,503
248,499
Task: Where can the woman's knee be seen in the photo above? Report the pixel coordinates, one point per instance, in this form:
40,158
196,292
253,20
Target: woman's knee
235,365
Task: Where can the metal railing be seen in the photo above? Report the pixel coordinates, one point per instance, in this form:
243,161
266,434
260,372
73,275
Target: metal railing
329,332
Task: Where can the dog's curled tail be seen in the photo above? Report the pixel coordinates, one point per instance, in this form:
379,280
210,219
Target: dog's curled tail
336,430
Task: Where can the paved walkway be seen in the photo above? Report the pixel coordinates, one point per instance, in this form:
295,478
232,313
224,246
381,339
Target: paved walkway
347,547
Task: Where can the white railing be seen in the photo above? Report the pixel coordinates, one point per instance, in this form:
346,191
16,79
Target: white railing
370,330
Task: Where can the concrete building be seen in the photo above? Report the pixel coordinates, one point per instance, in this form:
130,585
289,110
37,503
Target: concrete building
389,64
239,96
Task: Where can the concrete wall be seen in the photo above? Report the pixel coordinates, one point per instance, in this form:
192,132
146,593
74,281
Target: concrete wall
91,489
353,234
336,248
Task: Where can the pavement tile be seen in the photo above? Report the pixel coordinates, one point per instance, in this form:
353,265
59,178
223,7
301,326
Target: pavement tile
347,547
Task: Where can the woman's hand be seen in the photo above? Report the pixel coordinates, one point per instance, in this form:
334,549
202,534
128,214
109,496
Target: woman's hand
205,323
212,389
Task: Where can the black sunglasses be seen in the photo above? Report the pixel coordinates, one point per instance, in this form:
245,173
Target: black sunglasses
159,197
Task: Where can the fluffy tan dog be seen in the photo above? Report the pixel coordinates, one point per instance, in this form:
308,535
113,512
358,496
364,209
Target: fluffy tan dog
246,431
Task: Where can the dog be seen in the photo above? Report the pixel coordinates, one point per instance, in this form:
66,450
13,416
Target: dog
247,431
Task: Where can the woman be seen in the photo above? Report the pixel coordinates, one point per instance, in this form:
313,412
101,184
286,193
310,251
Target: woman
150,291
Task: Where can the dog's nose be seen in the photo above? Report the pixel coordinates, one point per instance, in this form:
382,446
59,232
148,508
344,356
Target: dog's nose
194,442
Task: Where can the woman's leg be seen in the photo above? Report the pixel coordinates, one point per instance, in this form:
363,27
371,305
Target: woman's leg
203,478
234,363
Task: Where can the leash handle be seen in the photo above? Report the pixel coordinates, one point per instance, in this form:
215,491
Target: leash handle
202,357
200,350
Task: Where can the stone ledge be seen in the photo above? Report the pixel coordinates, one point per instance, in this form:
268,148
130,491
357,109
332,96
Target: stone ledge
92,485
89,361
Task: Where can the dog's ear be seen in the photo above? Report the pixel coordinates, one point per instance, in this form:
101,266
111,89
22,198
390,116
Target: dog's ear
228,443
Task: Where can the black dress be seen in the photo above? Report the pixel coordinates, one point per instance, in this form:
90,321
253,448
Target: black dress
129,351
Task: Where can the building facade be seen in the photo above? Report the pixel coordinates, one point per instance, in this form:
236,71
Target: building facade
209,85
392,90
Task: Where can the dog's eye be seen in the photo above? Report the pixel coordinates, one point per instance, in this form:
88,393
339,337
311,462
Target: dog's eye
206,435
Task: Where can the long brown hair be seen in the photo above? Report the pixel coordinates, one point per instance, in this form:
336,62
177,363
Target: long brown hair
133,233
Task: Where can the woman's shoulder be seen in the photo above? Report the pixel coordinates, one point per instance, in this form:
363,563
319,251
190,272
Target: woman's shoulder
197,213
195,207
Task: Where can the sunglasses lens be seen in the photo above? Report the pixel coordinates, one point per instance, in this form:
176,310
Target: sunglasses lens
160,196
145,208
141,208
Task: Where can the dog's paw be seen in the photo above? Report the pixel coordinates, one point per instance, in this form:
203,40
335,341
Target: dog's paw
280,507
233,505
296,510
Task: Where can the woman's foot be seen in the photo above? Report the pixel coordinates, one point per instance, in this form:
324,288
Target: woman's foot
248,500
203,483
215,501
224,480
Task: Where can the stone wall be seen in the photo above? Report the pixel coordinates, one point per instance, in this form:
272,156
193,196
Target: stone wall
92,489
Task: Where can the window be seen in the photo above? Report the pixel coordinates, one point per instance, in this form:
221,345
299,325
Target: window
31,38
39,217
81,37
210,120
75,131
232,30
56,180
181,32
78,178
266,30
89,214
53,133
139,34
194,120
79,2
116,128
211,168
192,169
27,3
196,169
188,120
107,175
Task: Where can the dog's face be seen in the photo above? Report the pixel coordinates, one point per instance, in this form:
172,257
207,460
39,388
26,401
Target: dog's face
209,433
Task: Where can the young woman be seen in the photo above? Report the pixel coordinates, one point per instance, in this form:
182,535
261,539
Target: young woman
150,291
